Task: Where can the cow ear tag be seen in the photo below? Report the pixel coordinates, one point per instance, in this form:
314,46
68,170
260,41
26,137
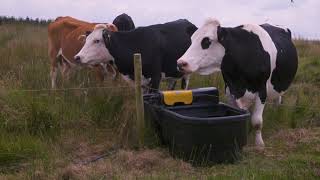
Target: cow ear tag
106,37
171,98
221,33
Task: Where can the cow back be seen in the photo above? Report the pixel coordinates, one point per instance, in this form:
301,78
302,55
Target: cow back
287,58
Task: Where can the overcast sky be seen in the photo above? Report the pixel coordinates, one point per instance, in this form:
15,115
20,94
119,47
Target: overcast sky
302,16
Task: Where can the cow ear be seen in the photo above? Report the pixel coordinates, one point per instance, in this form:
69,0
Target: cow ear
222,33
106,37
112,27
191,29
88,32
82,38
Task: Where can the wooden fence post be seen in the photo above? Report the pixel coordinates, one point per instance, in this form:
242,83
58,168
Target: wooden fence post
140,125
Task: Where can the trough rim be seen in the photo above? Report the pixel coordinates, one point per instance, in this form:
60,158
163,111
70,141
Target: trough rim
244,114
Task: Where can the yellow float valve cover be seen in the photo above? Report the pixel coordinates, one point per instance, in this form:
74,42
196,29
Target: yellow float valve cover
172,97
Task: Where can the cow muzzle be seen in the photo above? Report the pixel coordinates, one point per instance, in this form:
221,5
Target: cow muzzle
183,66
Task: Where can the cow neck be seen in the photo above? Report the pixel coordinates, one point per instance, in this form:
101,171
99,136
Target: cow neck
114,49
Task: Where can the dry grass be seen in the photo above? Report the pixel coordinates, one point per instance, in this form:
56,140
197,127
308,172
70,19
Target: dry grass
126,164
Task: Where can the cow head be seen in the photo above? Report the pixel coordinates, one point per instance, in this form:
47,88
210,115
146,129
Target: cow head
205,54
94,50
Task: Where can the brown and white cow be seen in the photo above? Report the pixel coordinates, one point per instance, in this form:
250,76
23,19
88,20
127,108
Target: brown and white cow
64,44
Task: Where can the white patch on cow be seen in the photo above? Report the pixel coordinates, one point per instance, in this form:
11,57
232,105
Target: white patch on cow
269,46
246,101
59,52
204,61
94,50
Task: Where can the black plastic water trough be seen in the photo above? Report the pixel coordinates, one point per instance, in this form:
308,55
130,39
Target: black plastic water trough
202,132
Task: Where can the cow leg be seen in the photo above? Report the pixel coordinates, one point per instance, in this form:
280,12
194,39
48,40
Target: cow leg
155,82
230,98
65,73
55,59
185,82
105,69
257,120
146,88
278,100
53,75
55,63
53,52
245,103
171,84
112,69
156,74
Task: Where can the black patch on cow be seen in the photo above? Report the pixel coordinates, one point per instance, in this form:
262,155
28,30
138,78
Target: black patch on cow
287,58
123,22
160,47
246,65
205,43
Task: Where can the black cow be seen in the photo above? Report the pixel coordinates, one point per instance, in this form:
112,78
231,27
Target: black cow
123,22
257,62
160,46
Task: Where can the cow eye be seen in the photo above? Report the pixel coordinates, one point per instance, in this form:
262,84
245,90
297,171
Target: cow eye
96,41
205,43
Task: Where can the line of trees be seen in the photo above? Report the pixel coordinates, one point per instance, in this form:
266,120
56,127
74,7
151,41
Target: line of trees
20,20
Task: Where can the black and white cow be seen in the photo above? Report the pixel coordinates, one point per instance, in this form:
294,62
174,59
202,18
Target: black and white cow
258,62
160,46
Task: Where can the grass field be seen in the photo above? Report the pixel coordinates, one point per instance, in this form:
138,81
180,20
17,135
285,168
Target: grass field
52,134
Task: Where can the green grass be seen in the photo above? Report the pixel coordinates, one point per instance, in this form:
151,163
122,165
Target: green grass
47,134
18,149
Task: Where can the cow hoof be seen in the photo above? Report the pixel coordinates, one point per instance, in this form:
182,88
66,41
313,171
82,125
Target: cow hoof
260,145
259,149
259,140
